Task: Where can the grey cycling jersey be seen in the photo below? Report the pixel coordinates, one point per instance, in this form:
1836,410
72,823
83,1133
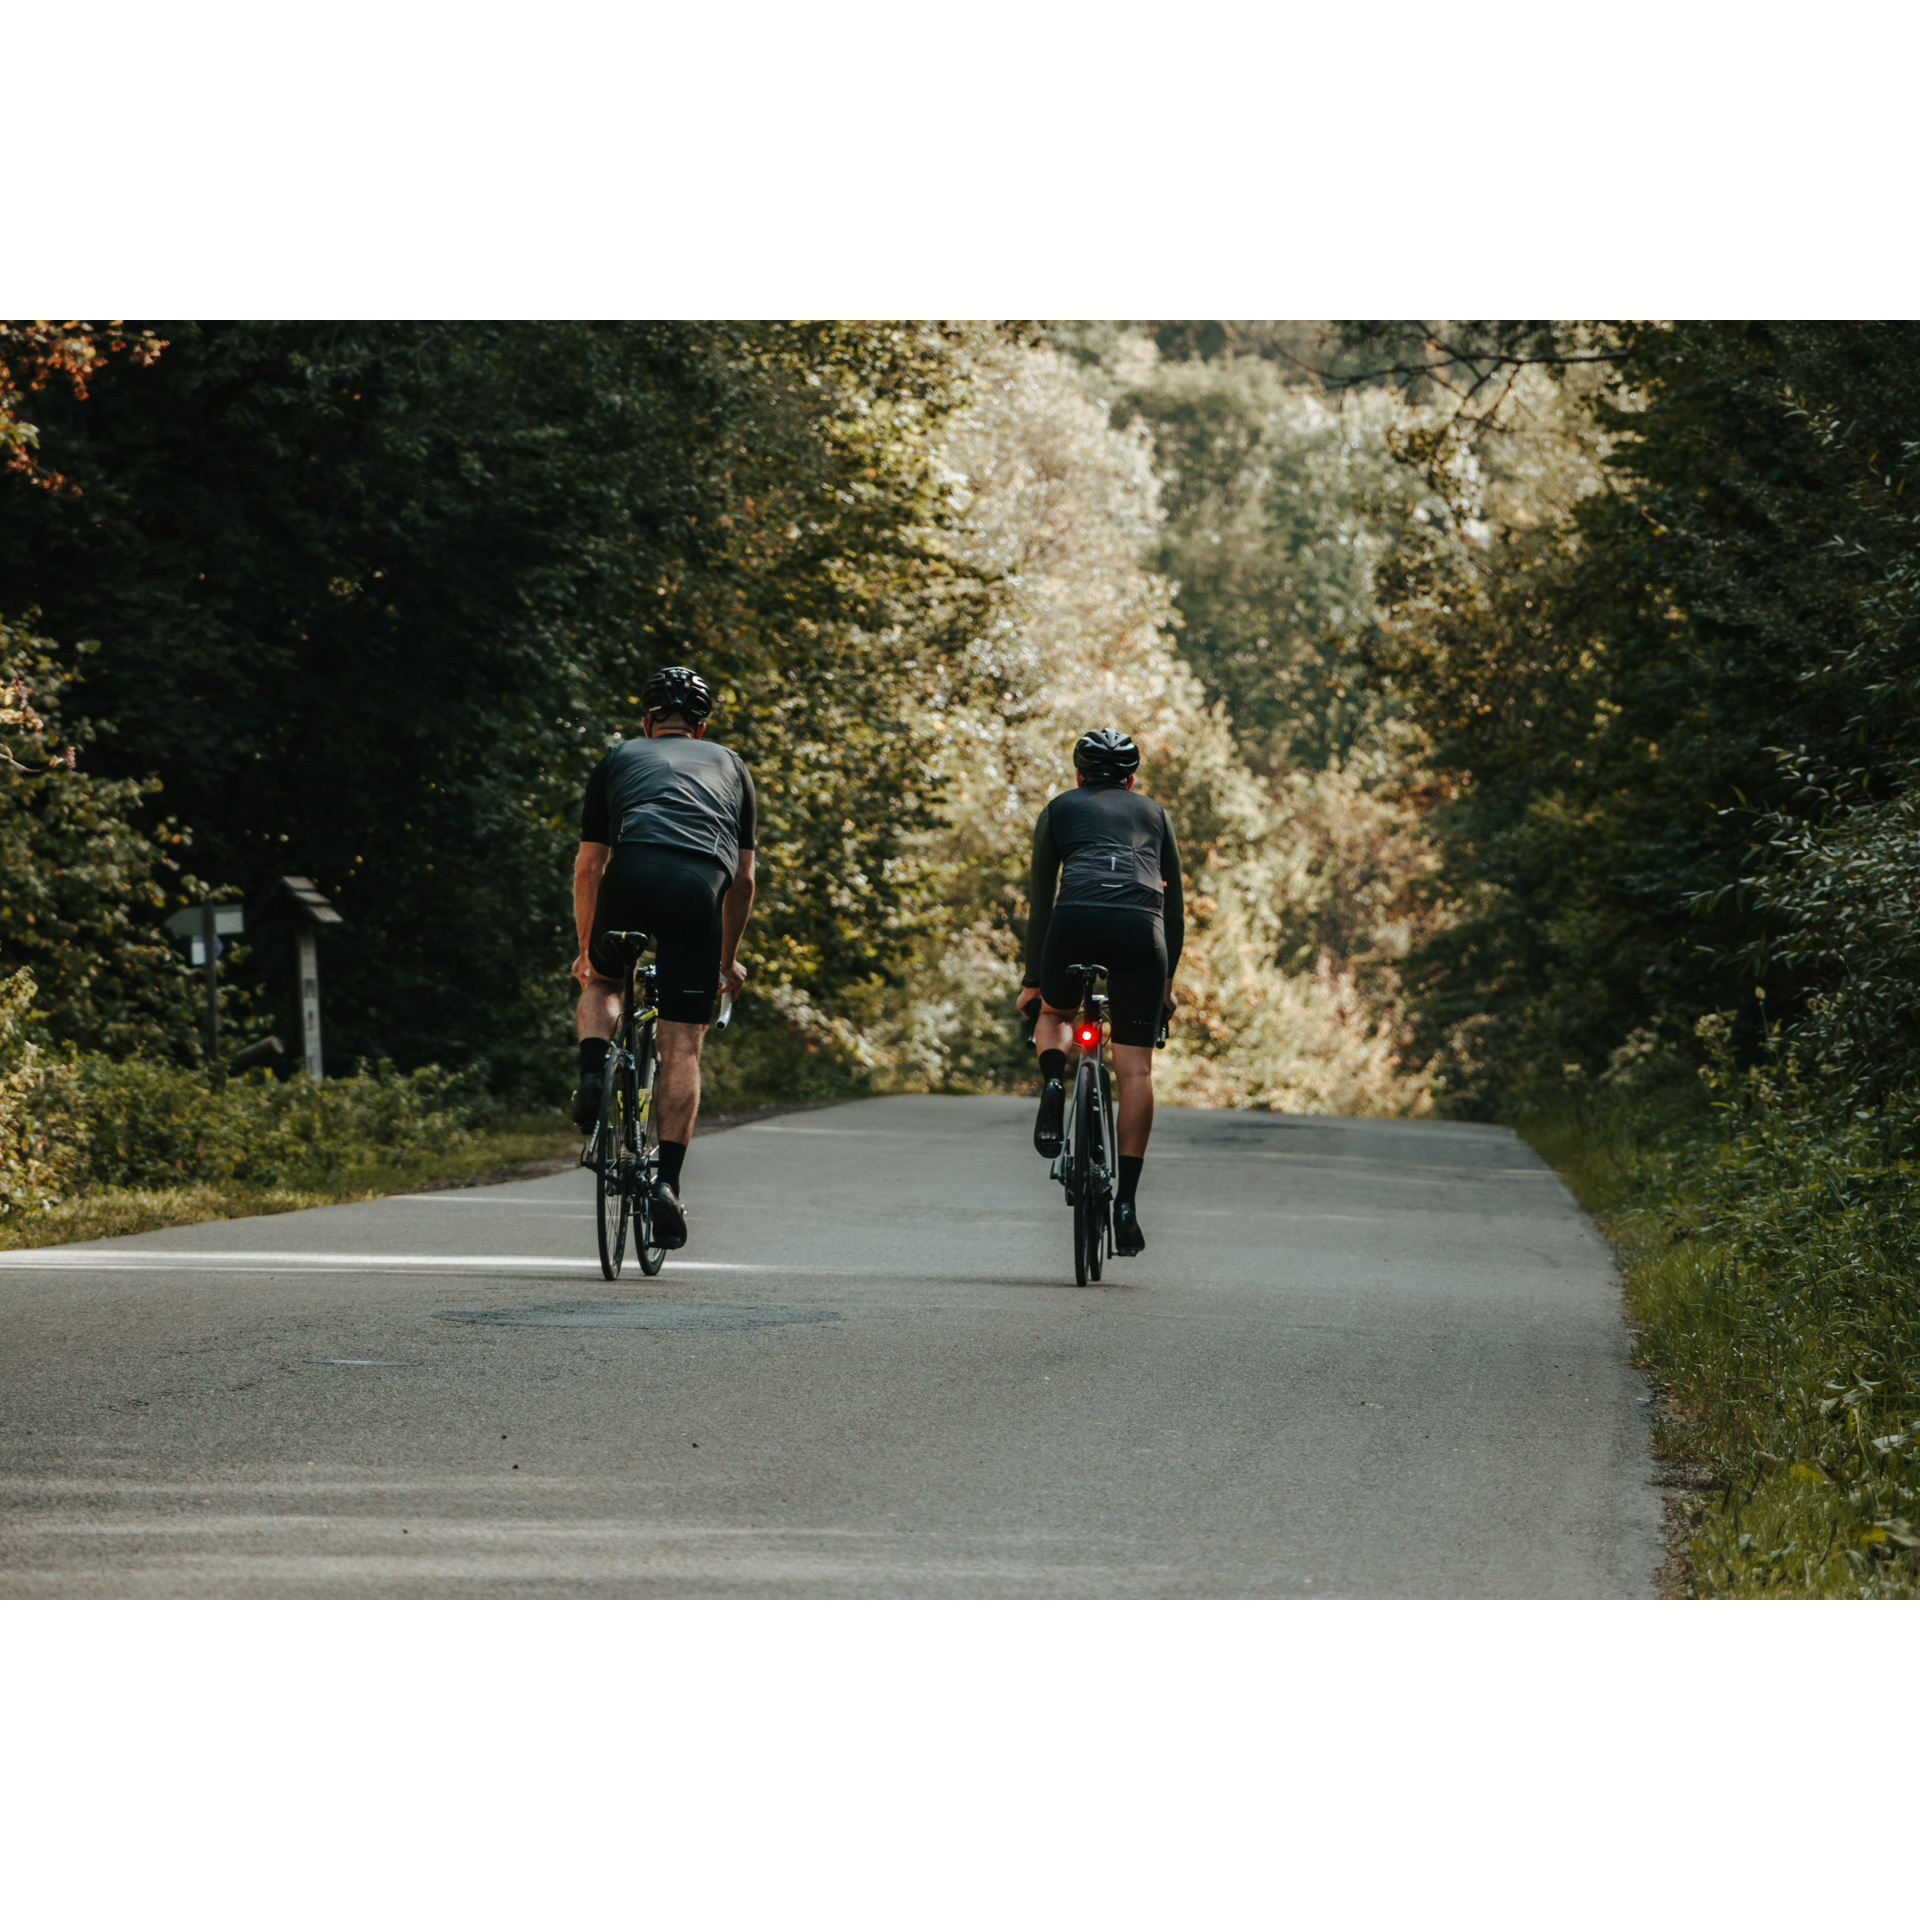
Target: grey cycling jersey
672,791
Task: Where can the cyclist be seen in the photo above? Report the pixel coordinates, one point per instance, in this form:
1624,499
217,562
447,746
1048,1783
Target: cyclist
1113,854
666,848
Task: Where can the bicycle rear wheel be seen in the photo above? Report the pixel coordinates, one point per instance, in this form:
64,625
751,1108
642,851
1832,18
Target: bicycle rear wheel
1089,1191
653,1256
613,1166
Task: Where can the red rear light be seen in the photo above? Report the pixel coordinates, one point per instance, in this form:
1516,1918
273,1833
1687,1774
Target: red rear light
1089,1036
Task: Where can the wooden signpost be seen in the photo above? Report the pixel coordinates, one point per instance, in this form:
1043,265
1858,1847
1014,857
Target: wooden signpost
312,910
206,926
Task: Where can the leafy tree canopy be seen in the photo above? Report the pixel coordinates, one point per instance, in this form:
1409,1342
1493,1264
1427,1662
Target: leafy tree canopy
368,600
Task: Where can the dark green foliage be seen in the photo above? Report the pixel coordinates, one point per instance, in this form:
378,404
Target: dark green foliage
370,599
141,1123
34,1158
81,882
1843,900
1721,633
763,1057
1769,1240
1681,720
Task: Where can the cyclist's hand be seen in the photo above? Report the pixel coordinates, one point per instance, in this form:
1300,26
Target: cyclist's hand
582,969
1166,1000
733,976
1028,995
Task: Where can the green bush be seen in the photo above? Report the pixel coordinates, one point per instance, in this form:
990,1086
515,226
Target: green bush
33,1155
1773,1245
143,1123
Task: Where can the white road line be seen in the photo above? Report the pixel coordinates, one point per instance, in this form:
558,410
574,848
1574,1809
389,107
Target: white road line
488,1200
375,1262
853,1133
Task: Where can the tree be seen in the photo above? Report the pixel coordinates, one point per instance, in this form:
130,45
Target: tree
66,353
1058,510
81,883
370,599
1706,627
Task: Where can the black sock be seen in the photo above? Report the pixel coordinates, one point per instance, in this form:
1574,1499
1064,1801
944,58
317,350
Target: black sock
1130,1165
673,1156
1053,1064
593,1056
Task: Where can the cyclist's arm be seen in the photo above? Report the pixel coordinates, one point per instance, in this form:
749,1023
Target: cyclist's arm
1043,879
590,863
735,905
1175,901
738,901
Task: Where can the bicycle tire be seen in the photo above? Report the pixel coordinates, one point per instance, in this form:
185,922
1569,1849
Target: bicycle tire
653,1256
1099,1177
612,1168
1110,1139
1086,1186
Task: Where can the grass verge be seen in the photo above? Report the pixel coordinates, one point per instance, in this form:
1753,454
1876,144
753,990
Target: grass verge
524,1145
106,1212
1768,1247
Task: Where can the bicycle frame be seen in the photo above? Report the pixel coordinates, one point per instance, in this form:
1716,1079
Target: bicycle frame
623,1051
624,1167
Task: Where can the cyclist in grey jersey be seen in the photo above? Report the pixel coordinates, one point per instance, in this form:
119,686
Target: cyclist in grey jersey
666,849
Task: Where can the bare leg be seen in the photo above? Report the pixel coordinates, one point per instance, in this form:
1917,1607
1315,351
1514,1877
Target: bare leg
1052,1030
597,1017
677,1092
1133,1068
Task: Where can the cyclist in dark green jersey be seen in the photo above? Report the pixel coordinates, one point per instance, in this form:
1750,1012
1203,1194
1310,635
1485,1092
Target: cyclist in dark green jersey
1111,854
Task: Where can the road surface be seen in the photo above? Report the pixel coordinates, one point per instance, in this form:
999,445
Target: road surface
1359,1358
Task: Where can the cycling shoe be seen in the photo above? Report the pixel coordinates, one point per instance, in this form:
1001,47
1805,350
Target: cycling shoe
1127,1237
586,1103
1046,1127
667,1217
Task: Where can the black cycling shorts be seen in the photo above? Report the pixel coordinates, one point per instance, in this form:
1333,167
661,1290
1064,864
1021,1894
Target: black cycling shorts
675,898
1131,945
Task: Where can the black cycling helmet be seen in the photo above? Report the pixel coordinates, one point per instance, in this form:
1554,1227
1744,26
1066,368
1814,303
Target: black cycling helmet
677,690
1106,756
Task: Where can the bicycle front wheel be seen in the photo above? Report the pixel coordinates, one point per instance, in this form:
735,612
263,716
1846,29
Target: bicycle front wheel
653,1256
613,1166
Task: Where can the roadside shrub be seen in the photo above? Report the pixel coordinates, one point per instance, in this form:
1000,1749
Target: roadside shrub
1846,895
147,1124
33,1157
1773,1246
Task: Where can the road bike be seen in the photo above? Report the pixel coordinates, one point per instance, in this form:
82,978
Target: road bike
1089,1150
624,1147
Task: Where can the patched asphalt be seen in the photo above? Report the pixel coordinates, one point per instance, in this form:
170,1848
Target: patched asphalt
1359,1358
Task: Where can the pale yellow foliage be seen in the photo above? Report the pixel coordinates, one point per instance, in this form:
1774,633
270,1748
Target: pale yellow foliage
1057,507
32,1162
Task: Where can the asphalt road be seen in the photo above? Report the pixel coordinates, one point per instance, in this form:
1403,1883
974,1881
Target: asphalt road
1359,1358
